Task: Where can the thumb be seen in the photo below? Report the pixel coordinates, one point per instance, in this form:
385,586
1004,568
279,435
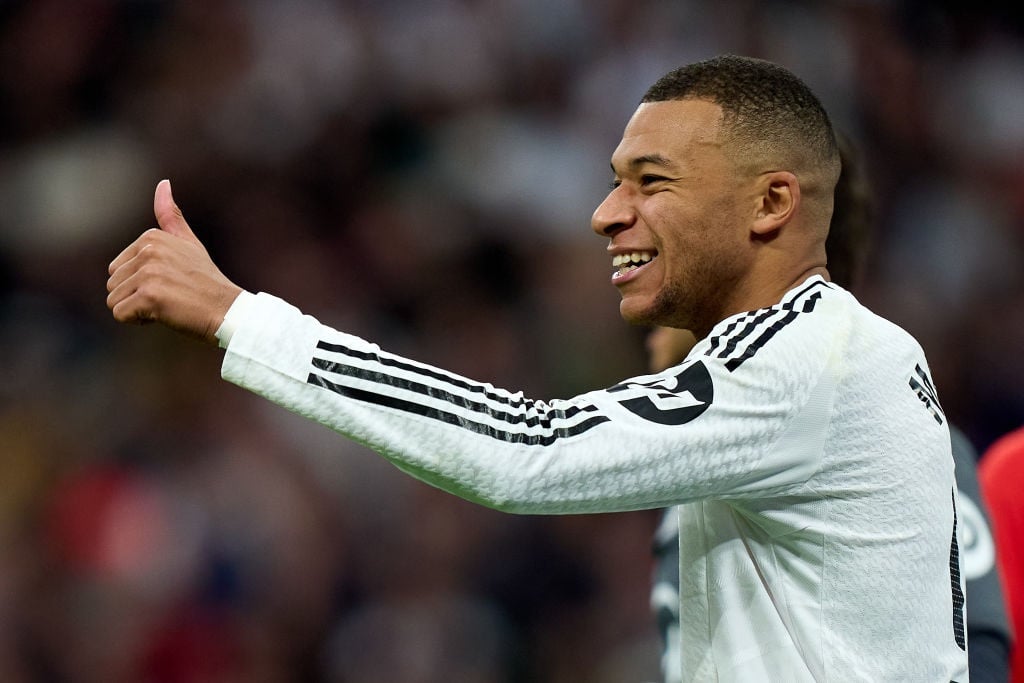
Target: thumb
168,215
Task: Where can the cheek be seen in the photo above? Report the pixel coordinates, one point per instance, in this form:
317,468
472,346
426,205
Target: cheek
699,260
695,238
672,228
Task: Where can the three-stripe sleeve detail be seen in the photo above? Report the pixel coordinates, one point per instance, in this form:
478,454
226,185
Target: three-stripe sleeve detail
749,333
446,398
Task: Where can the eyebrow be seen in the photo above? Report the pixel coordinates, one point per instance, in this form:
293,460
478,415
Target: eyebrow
637,162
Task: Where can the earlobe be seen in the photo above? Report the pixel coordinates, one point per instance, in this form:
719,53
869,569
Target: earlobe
778,201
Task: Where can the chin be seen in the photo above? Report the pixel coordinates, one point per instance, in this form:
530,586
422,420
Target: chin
663,310
636,315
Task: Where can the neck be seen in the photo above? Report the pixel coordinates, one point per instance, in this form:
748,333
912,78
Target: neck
761,295
810,272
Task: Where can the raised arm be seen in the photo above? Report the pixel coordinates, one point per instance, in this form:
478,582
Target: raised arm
714,426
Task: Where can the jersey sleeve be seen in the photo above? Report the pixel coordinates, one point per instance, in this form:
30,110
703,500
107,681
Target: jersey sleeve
706,428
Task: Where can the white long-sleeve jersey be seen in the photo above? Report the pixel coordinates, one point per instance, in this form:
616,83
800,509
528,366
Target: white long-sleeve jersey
804,444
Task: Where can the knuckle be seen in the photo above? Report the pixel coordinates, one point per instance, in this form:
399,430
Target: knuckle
150,239
150,272
146,296
122,313
145,239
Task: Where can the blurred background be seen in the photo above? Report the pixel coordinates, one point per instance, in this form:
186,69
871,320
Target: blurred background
420,173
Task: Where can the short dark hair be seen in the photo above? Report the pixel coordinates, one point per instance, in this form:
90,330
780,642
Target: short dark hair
765,107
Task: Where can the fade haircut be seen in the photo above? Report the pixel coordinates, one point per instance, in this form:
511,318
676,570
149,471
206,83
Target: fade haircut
768,114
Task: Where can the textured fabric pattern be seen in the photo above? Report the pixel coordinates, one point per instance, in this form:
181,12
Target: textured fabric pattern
813,479
987,623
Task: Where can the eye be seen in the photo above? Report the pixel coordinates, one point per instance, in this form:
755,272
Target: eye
614,184
648,179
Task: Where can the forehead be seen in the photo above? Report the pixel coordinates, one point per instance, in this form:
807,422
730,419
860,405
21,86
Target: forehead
673,131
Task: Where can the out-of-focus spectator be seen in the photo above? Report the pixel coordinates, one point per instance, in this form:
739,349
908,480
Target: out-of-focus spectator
1001,475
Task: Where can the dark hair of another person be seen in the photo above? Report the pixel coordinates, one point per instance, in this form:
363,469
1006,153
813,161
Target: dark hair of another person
849,234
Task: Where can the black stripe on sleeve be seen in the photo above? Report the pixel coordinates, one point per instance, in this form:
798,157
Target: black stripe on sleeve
749,352
446,396
814,285
746,331
792,309
811,301
726,332
430,373
394,403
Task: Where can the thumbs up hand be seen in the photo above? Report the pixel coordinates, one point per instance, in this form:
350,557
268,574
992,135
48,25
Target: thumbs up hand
168,215
167,276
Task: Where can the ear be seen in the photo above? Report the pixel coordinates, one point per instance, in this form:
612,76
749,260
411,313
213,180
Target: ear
778,200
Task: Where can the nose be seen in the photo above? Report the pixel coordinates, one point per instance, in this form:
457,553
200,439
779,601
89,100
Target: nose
615,213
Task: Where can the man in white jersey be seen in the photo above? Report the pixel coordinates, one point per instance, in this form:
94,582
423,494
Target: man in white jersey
802,437
987,626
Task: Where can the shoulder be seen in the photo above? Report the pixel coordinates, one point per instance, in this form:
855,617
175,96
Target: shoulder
809,321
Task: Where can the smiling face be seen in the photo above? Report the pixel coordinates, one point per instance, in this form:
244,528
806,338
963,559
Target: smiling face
677,217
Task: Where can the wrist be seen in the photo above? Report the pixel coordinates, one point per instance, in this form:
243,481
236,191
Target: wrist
233,317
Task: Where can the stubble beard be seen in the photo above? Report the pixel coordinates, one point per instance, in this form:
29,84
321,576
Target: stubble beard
696,301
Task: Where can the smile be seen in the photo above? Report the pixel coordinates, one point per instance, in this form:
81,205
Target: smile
627,263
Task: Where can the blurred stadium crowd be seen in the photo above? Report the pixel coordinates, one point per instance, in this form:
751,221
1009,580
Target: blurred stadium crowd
420,173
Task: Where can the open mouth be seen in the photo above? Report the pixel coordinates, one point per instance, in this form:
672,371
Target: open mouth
627,263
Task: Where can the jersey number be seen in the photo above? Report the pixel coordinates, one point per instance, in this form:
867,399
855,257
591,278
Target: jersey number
954,581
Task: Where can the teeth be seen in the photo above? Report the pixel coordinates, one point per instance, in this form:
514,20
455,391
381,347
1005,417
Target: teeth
623,263
637,257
